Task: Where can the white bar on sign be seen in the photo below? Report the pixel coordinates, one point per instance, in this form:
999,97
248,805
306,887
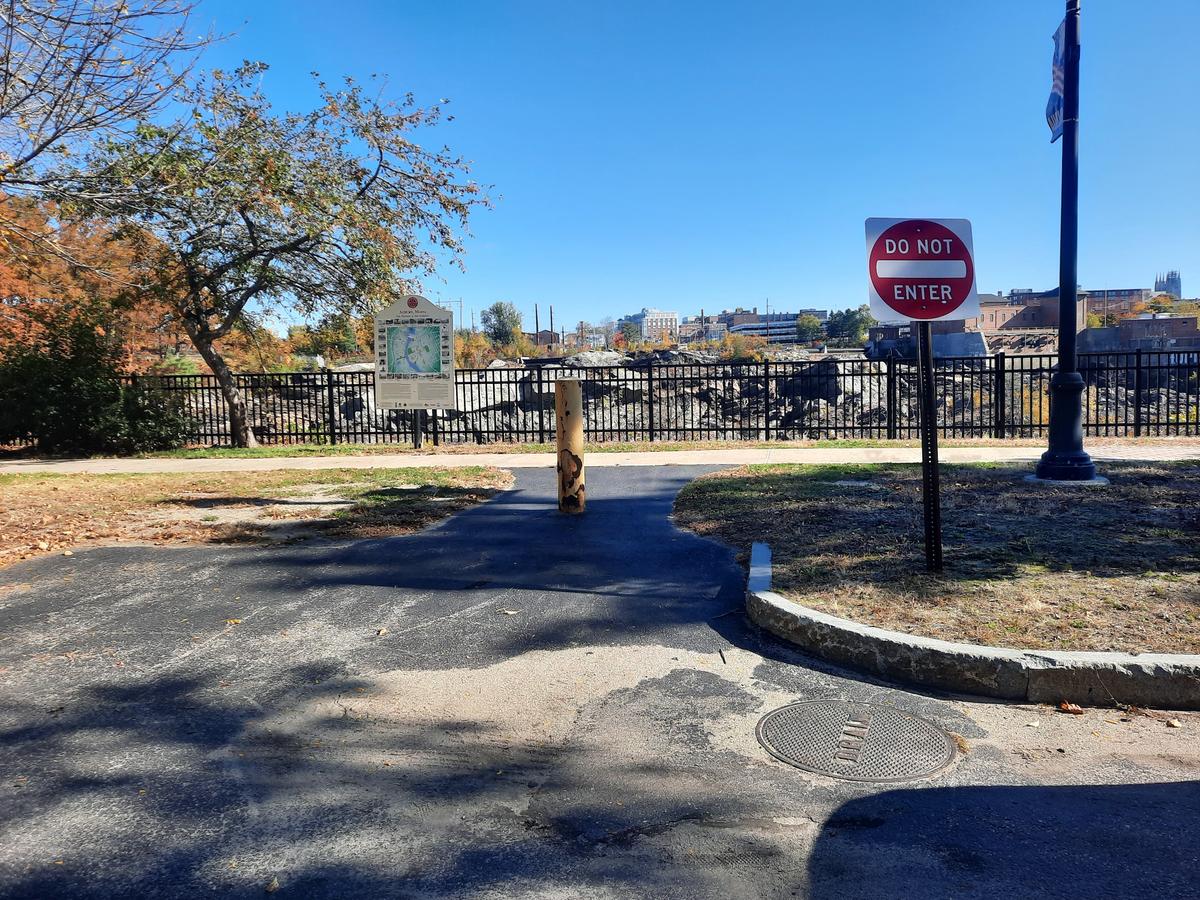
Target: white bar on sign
921,268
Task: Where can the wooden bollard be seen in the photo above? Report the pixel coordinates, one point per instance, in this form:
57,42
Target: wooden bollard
568,430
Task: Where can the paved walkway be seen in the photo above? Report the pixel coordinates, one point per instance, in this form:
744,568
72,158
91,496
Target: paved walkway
1127,450
514,704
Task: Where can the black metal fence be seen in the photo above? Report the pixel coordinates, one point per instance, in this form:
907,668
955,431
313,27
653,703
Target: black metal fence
1128,394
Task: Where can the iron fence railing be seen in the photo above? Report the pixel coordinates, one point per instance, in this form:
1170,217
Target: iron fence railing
1127,394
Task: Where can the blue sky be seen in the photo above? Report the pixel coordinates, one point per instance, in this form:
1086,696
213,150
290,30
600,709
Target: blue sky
700,154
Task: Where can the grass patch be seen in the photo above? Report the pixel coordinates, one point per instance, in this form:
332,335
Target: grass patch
1030,566
42,514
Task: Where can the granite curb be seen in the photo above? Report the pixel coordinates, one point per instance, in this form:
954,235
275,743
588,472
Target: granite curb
1160,680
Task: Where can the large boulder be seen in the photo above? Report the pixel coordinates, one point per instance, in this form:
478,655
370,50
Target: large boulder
589,359
818,381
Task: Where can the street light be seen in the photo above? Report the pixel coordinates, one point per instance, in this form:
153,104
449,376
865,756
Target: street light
1066,460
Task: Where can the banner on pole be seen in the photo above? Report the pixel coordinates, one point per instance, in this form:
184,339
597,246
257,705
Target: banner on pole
1054,106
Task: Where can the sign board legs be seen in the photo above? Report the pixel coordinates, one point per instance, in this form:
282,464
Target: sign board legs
930,480
418,421
568,426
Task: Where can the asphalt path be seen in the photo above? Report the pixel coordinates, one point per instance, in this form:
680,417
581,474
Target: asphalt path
515,704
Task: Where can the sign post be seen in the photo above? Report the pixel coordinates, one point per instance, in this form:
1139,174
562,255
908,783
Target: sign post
921,270
414,359
931,483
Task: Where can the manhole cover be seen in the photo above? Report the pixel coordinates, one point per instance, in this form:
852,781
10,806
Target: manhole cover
855,741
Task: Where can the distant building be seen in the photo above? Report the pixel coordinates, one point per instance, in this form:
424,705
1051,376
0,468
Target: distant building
781,331
752,316
1153,331
950,338
1024,309
1171,284
654,324
693,328
543,338
1119,302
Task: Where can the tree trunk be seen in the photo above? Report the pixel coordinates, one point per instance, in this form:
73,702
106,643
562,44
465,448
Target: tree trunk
239,422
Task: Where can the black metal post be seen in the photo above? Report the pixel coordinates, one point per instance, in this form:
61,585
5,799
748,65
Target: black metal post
330,409
1139,388
891,400
650,400
1066,460
1000,395
418,421
931,487
766,399
541,406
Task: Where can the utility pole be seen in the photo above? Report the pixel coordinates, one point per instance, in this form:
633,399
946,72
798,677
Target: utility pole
552,318
1065,459
537,327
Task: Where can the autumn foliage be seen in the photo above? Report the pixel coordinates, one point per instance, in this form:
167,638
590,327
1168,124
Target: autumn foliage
96,279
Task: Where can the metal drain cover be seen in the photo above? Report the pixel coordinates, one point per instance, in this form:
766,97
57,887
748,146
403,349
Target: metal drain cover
855,741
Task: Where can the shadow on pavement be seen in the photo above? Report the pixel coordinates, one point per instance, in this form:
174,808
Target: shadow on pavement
169,787
1087,841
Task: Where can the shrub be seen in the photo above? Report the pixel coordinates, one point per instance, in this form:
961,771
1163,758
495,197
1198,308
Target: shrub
175,364
64,391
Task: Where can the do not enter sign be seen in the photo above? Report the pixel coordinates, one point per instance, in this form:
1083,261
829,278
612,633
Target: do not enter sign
921,269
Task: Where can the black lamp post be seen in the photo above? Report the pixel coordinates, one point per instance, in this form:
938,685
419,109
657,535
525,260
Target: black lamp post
1066,460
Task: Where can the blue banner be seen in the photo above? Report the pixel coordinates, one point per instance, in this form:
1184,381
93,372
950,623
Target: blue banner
1054,106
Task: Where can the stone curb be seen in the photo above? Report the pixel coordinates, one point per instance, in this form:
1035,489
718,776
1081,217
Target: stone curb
1160,680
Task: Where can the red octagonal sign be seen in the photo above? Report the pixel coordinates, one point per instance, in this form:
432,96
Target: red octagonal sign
921,269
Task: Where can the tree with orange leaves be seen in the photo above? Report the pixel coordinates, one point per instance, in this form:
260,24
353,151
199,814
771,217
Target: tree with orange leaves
40,290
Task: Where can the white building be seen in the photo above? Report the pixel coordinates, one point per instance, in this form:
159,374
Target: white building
655,324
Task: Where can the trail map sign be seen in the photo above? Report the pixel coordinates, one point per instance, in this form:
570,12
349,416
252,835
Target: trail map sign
921,269
414,356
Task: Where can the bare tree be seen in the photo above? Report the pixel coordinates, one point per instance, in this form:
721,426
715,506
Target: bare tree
75,72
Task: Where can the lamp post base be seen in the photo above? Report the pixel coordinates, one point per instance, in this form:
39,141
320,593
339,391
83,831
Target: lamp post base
1066,460
1071,466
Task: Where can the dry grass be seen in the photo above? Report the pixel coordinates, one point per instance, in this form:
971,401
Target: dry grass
1030,566
42,514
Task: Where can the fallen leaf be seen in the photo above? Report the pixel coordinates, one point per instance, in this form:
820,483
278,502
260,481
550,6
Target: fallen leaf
1174,723
68,553
233,621
1071,708
381,631
1034,724
509,612
42,545
272,885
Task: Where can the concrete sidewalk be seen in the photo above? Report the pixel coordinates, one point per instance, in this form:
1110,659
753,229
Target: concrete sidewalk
1122,450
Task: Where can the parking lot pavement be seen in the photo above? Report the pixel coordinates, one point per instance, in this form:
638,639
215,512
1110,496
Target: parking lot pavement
516,704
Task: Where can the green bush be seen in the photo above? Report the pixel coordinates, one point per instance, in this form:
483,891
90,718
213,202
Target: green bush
175,364
64,391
